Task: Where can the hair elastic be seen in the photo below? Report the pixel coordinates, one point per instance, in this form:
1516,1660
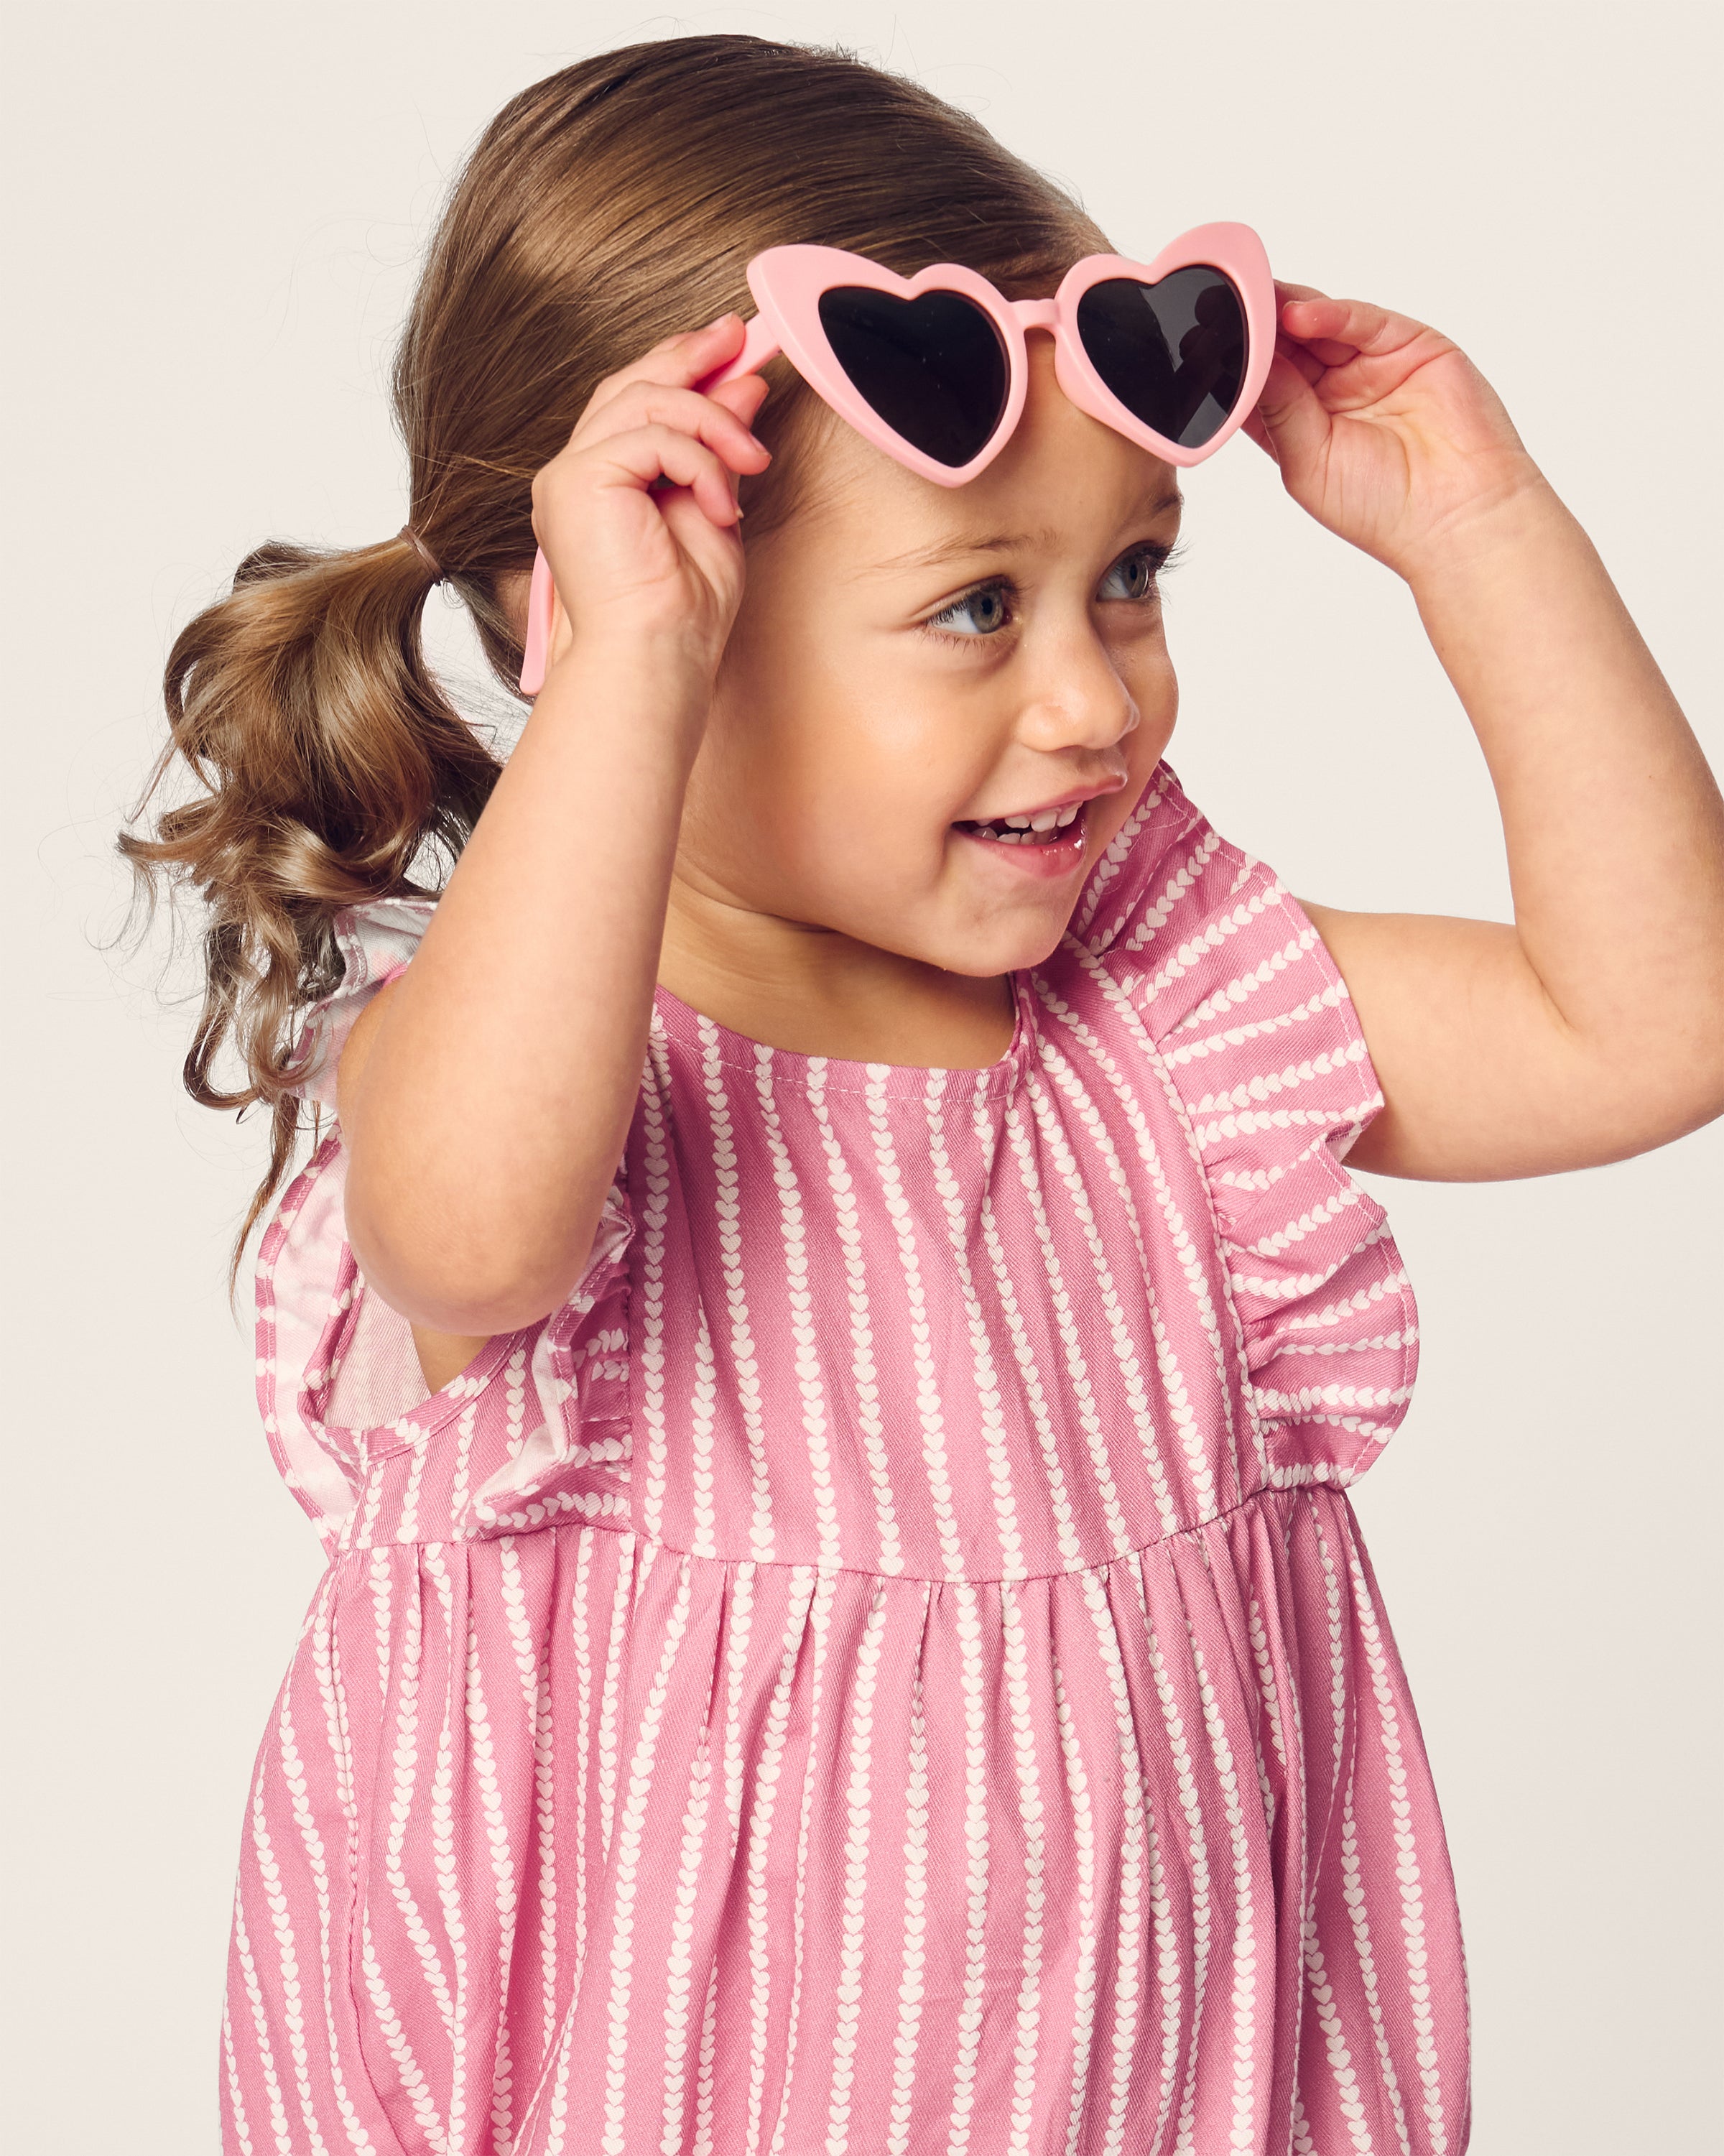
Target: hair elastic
422,550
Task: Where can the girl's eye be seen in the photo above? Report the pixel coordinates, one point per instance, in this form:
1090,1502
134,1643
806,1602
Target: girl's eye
982,613
1133,576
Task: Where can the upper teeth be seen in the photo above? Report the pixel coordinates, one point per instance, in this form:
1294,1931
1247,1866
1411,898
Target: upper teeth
1044,819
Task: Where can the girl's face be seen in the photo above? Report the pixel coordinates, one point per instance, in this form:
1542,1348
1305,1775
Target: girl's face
915,667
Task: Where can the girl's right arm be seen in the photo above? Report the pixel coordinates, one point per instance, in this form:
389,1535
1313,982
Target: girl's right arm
485,1096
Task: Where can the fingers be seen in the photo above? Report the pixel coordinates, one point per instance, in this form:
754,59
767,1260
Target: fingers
645,431
636,417
1336,331
1289,341
637,459
744,395
693,531
677,361
1290,423
653,403
1306,362
646,453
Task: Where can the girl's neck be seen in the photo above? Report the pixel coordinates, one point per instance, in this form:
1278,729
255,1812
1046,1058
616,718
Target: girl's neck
816,992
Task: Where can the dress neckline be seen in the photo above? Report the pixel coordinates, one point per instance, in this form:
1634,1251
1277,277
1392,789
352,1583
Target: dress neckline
674,1020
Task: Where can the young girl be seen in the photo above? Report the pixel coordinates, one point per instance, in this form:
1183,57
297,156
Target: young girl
828,1336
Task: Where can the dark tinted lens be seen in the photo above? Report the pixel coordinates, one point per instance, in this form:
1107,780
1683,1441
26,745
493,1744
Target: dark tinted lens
1173,353
933,368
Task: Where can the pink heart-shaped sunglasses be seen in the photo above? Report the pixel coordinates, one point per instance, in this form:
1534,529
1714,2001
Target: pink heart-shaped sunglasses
933,369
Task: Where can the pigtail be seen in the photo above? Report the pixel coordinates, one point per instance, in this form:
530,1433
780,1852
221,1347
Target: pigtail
328,768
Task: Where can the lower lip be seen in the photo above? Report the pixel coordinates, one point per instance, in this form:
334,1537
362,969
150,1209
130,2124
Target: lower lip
1045,863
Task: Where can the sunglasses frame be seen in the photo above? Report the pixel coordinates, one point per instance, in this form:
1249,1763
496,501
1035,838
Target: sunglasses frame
787,283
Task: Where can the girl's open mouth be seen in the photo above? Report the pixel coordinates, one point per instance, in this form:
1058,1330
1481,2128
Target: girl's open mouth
1047,842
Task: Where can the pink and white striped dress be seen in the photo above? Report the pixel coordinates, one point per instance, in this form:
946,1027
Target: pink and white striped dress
889,1667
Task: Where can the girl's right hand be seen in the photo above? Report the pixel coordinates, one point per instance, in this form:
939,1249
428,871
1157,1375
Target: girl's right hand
635,561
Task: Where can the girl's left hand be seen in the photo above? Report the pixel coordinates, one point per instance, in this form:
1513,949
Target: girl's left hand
1383,429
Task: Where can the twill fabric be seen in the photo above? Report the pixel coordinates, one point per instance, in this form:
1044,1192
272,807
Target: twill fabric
889,1666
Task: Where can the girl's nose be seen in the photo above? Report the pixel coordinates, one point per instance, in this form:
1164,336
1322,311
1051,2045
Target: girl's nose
1081,701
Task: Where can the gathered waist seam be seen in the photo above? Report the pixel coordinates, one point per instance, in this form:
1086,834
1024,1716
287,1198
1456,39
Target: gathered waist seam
1266,1490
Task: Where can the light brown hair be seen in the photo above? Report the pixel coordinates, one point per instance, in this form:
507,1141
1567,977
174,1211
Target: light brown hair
608,206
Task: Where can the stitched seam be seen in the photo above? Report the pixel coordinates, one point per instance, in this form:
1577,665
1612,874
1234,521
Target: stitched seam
1267,1493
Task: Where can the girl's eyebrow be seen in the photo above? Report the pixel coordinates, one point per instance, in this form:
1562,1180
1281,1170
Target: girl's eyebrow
944,551
937,556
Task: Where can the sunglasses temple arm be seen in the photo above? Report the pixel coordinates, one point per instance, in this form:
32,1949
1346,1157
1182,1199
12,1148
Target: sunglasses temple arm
759,345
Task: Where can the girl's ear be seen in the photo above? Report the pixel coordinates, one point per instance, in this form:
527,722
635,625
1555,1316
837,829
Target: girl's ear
512,588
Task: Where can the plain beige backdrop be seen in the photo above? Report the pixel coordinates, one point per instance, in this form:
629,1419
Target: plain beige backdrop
213,214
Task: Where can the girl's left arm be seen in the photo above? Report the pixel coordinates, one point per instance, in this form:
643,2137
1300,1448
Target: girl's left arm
1594,1027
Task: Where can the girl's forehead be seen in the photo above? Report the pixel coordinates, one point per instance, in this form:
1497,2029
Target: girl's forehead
1069,484
1063,478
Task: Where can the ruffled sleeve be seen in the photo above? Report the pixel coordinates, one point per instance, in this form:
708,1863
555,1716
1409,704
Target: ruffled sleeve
376,942
339,1381
1260,1046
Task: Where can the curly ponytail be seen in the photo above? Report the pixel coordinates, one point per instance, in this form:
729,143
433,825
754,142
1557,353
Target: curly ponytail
328,759
603,209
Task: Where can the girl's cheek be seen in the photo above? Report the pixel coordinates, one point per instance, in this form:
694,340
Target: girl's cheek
1156,692
1155,729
